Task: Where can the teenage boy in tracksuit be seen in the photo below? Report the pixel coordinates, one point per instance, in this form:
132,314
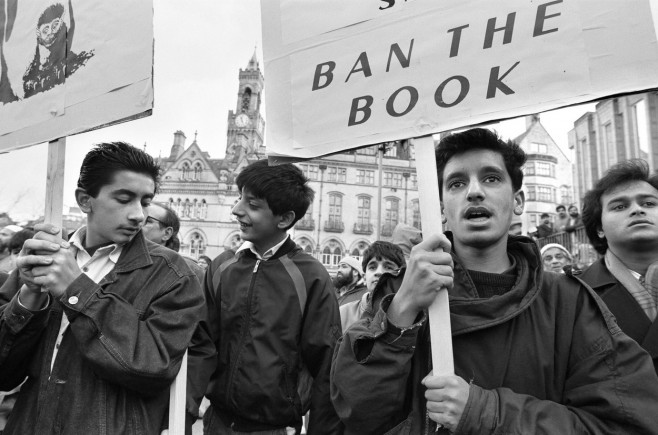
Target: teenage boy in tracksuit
272,318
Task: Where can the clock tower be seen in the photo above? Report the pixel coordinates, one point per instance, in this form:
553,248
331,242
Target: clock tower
246,126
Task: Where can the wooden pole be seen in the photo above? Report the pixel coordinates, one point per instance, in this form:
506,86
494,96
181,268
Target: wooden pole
430,212
55,182
177,394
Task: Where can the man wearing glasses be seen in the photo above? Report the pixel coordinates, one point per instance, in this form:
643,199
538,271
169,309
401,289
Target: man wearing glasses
161,226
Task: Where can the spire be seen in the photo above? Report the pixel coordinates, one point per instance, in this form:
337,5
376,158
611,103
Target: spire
253,62
195,134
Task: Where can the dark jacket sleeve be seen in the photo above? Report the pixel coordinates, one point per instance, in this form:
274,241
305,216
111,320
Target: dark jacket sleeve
21,331
370,372
139,351
611,388
320,331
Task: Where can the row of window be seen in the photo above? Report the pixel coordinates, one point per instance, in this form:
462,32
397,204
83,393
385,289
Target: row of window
544,169
189,209
543,193
364,212
191,173
363,176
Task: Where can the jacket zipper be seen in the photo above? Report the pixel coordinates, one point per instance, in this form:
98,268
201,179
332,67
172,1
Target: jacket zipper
245,330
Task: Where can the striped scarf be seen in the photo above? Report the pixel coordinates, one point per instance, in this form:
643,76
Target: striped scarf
644,290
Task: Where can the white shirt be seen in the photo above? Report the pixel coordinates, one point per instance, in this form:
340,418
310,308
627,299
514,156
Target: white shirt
267,255
95,267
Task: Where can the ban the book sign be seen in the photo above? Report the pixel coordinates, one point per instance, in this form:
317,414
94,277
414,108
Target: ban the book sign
344,73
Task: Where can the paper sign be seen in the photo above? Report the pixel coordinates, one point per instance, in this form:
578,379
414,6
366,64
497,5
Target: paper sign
343,74
62,61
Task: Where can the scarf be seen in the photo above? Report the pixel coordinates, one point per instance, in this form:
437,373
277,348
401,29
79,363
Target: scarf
643,290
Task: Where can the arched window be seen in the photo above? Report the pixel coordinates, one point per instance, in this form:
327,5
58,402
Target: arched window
336,256
392,212
195,209
186,208
186,171
171,203
335,210
363,213
178,207
197,245
415,205
204,209
326,256
198,169
246,100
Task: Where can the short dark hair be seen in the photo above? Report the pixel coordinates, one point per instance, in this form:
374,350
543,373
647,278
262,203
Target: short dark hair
560,207
573,206
284,187
105,159
545,215
481,138
50,13
622,173
380,250
18,238
170,219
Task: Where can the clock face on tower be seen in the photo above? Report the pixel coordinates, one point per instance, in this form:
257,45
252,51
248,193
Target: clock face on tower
242,120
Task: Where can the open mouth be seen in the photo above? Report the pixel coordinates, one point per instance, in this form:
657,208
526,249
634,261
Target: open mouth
477,214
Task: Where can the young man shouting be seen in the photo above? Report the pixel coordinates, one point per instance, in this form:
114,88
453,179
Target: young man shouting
534,353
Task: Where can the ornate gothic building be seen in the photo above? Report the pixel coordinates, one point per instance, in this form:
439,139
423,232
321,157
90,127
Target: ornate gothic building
360,195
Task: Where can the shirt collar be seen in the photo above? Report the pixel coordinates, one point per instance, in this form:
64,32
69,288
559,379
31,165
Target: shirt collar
267,255
77,240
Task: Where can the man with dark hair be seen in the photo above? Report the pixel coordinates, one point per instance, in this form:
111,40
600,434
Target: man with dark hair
534,352
379,259
562,218
161,226
545,229
272,318
99,324
574,221
348,281
621,220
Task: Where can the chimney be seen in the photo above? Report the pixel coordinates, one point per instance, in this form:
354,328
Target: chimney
179,145
530,120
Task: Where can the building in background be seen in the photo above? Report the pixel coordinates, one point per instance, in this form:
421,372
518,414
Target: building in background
548,174
360,195
620,128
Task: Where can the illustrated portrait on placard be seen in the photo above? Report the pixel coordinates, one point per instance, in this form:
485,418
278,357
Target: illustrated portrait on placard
53,59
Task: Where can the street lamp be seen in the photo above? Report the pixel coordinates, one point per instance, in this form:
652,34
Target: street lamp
322,168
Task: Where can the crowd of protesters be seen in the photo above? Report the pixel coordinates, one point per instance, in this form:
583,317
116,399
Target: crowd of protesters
93,326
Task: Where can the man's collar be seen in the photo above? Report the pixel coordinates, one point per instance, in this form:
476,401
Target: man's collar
268,254
78,239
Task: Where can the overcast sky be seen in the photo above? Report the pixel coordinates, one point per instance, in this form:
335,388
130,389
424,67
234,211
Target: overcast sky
200,45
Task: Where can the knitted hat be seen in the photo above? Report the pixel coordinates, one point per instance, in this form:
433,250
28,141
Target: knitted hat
555,245
353,263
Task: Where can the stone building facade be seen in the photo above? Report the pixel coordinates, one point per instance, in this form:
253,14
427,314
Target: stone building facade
360,195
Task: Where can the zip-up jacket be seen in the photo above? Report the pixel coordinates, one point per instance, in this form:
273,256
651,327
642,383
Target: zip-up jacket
271,323
545,358
122,349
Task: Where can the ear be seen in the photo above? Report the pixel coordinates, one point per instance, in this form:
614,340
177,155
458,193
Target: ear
444,219
169,232
519,202
600,233
286,219
83,199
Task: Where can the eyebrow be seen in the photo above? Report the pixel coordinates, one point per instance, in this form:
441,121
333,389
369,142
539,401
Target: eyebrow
130,193
484,169
623,197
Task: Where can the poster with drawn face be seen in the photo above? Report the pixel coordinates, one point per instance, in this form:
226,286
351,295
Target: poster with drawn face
63,62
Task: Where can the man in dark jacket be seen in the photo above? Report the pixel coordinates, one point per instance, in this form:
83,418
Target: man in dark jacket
546,228
534,352
99,324
621,220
